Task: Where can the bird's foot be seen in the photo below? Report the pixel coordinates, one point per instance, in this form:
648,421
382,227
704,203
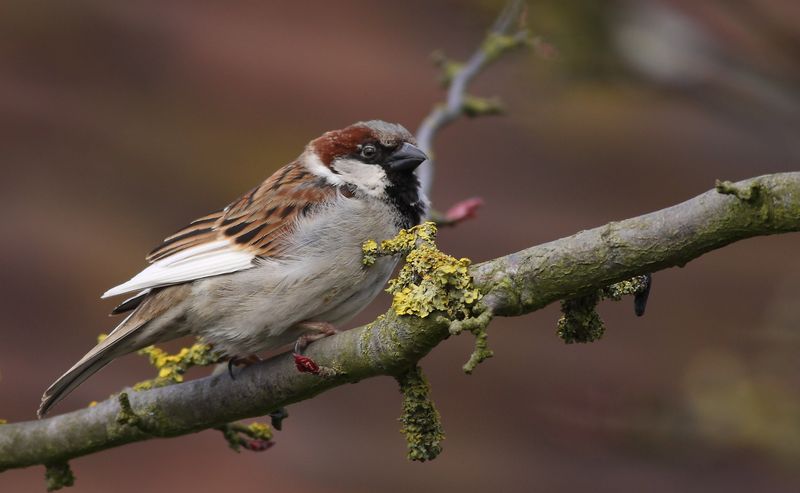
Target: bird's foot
305,364
241,361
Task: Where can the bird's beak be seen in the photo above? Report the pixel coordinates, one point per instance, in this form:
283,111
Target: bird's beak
406,158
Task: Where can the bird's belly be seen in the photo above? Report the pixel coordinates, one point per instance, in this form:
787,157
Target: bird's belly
348,303
257,309
249,314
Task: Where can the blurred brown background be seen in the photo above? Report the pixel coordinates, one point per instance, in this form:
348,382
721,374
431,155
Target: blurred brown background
120,121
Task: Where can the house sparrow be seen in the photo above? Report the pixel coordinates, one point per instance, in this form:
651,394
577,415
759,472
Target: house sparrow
281,263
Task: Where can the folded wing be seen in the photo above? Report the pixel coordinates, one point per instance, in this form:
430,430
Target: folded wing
254,226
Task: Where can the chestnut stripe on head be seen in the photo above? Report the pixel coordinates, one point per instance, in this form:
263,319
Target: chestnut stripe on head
339,143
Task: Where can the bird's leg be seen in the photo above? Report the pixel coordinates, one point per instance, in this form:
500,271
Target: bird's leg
241,361
320,330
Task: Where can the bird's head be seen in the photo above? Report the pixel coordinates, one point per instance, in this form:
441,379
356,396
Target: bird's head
371,156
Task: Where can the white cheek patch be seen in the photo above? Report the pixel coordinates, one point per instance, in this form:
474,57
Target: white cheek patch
369,178
313,163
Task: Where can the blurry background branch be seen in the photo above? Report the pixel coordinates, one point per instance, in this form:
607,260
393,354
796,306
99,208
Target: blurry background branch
509,32
512,285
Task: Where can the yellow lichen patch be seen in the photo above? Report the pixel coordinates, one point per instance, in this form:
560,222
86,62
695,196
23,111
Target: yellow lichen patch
92,404
430,280
254,436
171,367
370,249
260,430
3,421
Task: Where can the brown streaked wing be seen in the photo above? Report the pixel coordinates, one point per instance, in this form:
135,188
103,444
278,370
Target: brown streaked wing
259,220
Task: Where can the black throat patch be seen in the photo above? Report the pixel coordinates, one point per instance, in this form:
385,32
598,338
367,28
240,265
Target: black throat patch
403,193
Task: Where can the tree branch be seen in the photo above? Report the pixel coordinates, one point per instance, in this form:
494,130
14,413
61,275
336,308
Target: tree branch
513,285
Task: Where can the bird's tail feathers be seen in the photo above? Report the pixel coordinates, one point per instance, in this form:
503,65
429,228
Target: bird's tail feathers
115,345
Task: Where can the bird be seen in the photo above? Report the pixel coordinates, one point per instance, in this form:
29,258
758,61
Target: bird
282,263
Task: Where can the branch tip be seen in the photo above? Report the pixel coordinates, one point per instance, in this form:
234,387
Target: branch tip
277,417
126,414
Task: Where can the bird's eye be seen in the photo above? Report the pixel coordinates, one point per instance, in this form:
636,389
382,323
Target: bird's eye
369,151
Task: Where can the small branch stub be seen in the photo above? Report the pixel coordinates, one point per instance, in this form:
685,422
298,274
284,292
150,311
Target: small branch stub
746,194
126,415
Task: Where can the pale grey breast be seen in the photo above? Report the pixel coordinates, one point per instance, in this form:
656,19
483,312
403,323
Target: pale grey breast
323,279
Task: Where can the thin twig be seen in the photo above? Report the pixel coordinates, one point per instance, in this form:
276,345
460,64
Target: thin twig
510,19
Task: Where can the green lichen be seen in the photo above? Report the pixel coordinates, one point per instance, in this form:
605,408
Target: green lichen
430,280
253,436
171,367
632,286
420,420
389,339
580,322
58,475
365,337
477,326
